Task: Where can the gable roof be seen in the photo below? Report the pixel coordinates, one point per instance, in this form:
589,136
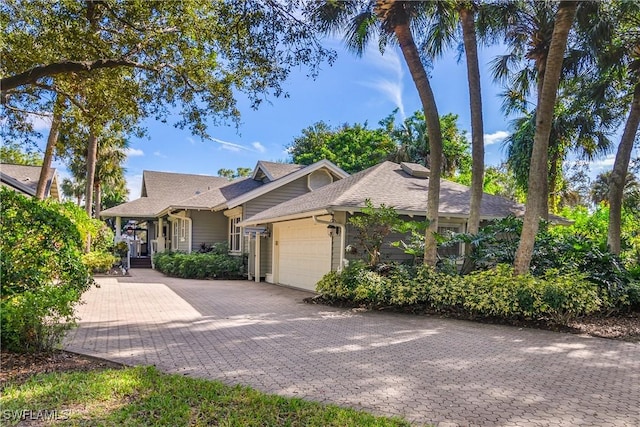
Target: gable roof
273,171
389,184
292,176
25,179
161,189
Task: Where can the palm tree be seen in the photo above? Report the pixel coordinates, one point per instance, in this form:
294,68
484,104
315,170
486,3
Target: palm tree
72,189
537,190
623,55
451,18
393,20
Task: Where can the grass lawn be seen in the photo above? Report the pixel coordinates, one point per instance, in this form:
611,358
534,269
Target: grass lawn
146,397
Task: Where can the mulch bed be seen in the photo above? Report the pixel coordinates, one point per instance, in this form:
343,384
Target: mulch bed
18,367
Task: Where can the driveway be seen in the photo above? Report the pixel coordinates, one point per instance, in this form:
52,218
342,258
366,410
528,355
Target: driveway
426,369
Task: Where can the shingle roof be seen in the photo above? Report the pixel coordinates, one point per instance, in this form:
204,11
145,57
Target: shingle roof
277,170
220,195
163,189
178,186
387,183
26,175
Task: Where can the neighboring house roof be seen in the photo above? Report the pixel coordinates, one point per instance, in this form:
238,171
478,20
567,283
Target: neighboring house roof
25,179
386,183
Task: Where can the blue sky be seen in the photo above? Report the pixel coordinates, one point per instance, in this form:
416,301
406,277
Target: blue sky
353,90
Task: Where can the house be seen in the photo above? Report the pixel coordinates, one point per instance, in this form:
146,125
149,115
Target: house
292,220
24,179
311,232
182,212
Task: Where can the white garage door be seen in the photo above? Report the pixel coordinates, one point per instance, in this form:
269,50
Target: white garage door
303,253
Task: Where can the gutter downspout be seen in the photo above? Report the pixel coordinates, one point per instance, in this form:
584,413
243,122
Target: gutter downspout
342,238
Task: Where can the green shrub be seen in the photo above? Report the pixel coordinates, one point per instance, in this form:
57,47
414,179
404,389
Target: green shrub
342,285
43,276
99,262
209,265
489,293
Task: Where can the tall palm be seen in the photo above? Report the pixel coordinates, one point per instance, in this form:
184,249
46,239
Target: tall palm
450,18
537,190
571,130
621,59
73,189
392,20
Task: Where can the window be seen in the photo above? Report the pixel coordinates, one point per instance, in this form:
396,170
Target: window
183,230
449,250
174,237
235,235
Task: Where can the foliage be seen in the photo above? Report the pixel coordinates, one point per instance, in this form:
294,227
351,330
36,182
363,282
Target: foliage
351,147
144,396
559,297
220,248
238,173
372,226
199,265
415,246
13,154
99,262
43,276
413,142
100,234
179,53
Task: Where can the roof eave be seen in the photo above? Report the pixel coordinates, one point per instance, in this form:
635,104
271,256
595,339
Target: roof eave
299,215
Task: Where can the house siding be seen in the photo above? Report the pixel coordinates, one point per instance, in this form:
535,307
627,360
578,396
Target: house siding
266,201
340,218
208,228
275,197
388,252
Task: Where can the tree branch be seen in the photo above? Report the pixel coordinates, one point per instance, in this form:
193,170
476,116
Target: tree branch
31,76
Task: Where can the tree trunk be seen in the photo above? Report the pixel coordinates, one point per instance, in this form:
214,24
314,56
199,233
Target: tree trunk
467,21
552,186
619,173
97,198
421,80
538,176
92,154
52,140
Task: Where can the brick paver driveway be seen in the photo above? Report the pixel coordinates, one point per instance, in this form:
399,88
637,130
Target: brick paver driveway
426,369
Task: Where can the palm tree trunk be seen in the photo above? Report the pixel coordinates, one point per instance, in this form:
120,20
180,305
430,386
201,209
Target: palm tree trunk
52,140
619,173
552,186
92,153
538,175
432,118
467,21
97,198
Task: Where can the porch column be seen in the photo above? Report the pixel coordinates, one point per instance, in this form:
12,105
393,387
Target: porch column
257,256
160,238
118,229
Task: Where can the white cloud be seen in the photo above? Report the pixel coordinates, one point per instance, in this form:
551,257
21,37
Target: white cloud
259,147
40,122
496,137
133,152
391,86
134,185
605,163
159,154
191,141
232,146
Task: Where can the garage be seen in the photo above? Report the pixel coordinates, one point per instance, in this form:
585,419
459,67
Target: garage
302,253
